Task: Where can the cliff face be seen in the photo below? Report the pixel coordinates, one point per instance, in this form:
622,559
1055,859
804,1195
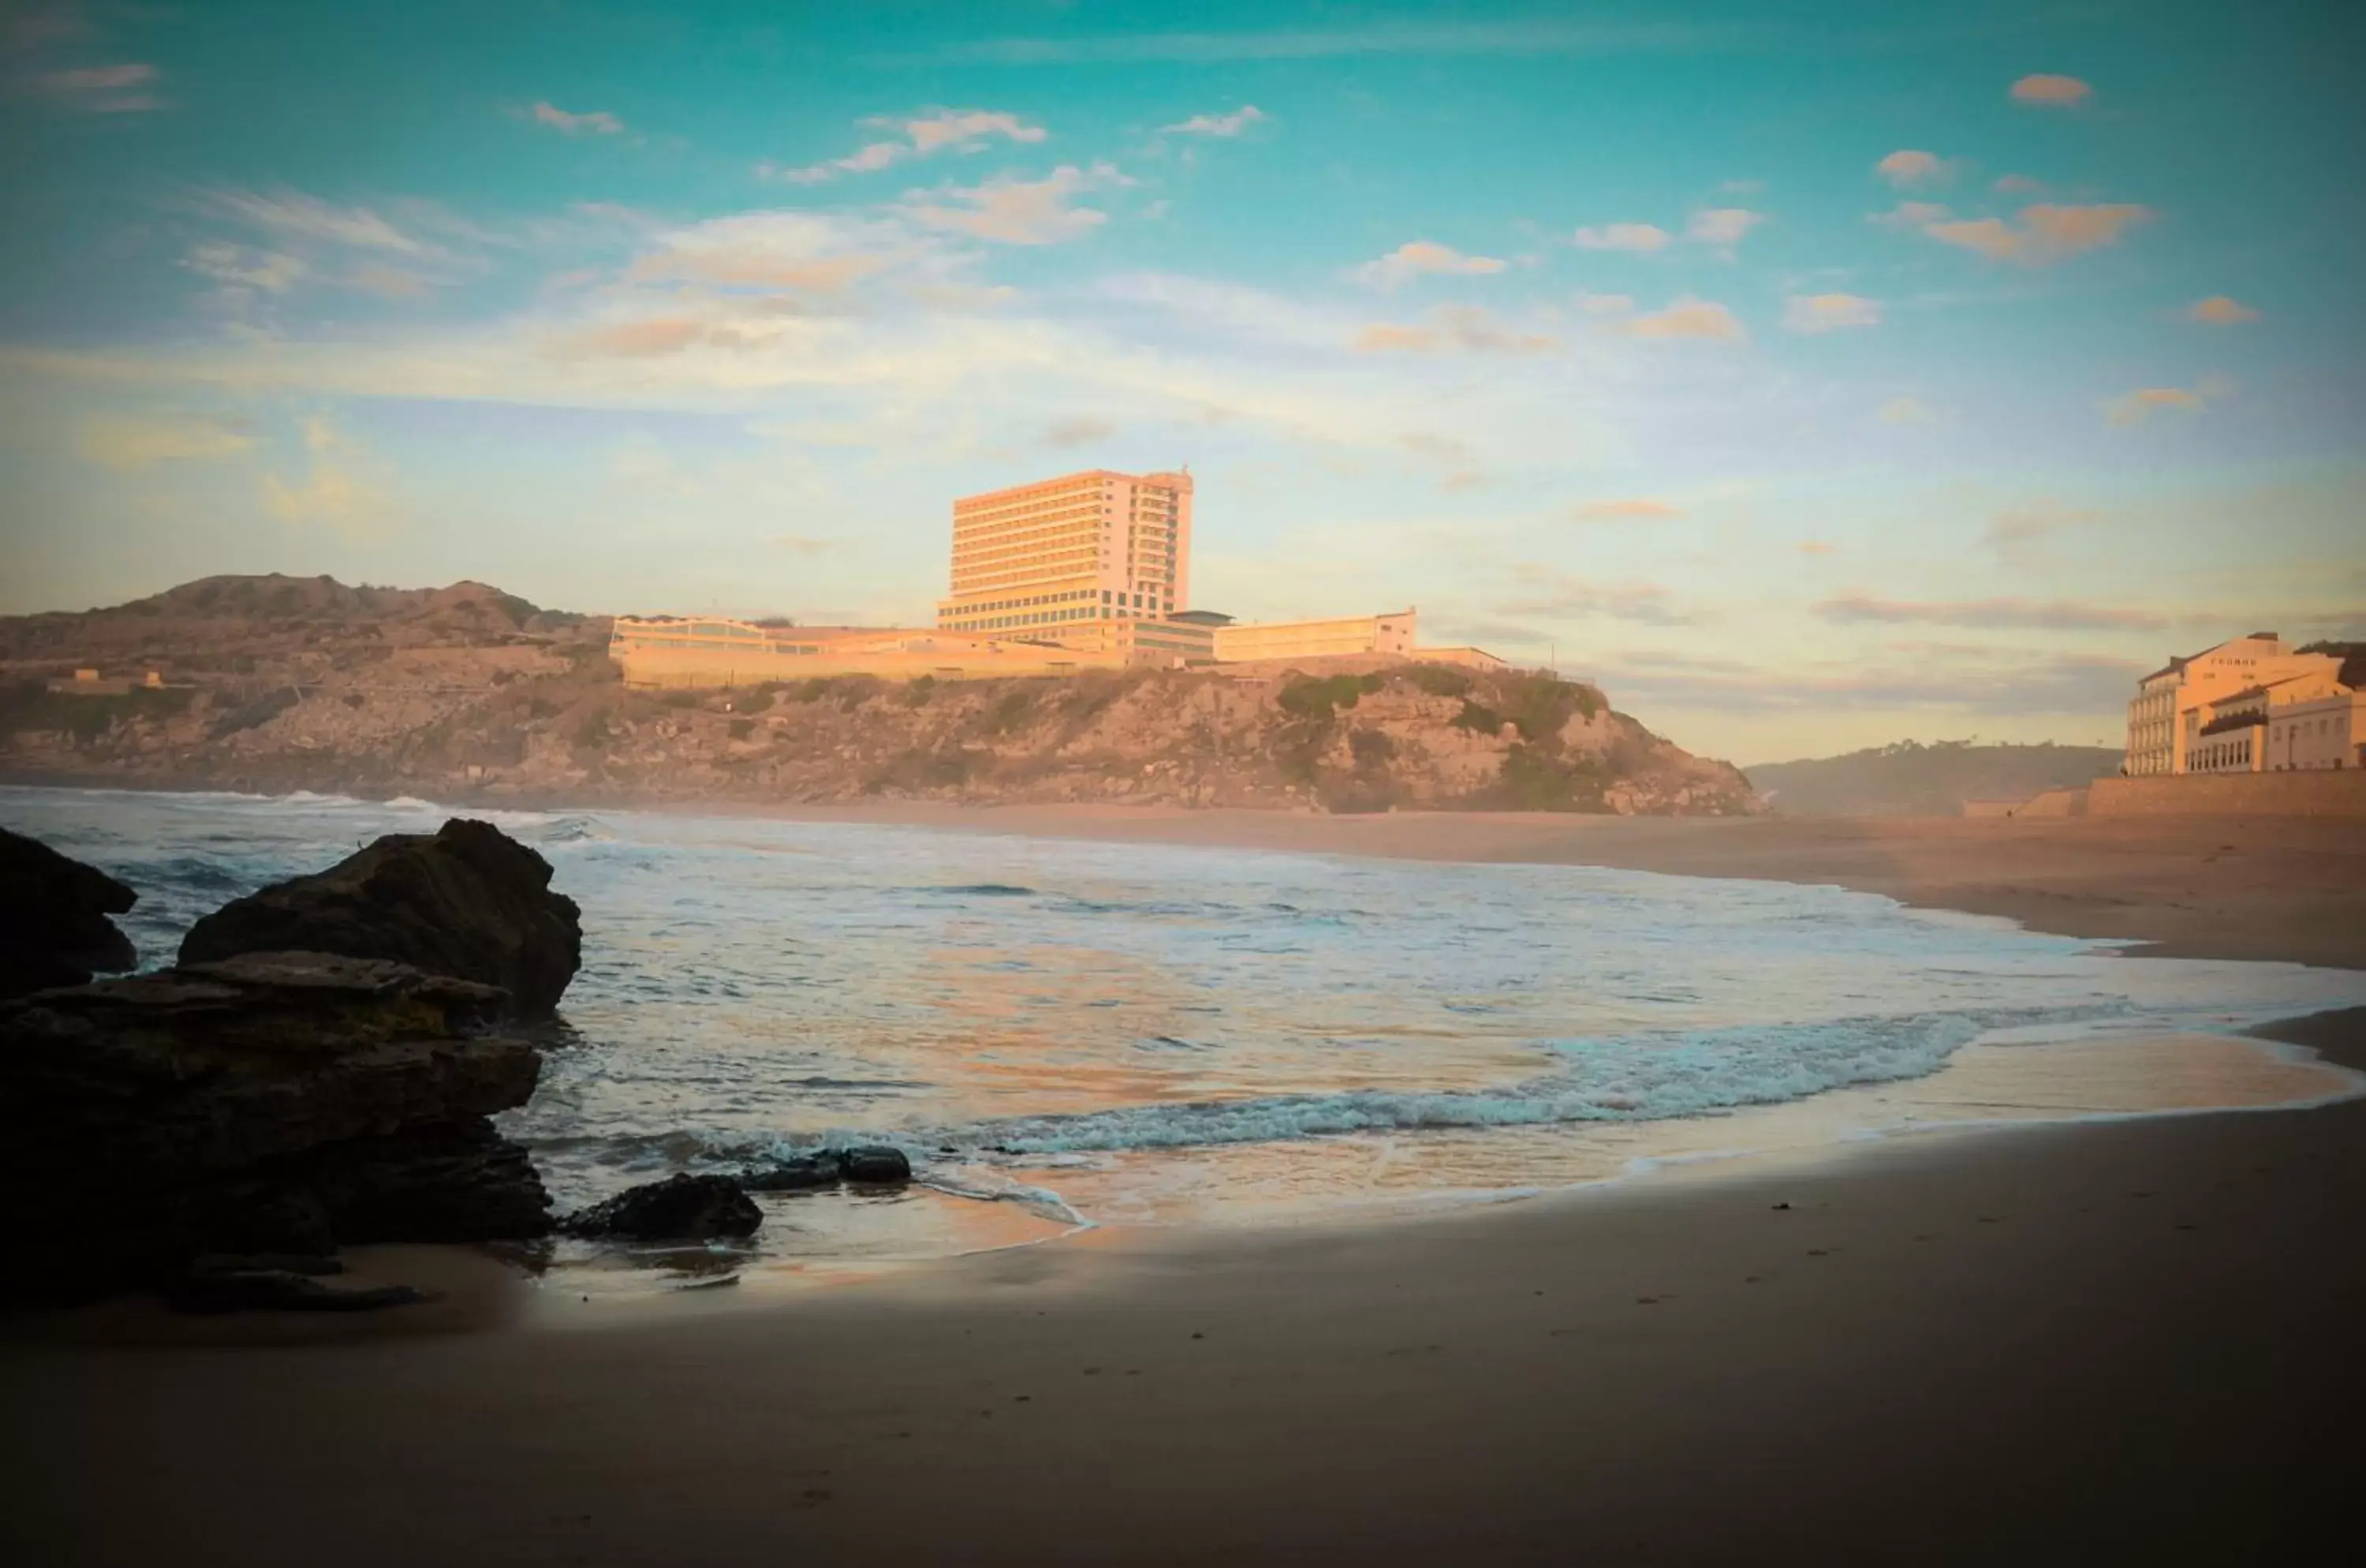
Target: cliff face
468,693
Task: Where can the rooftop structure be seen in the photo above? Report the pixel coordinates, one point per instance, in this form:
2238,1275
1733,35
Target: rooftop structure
1049,556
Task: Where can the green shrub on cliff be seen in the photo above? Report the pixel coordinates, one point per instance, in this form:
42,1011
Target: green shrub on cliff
1320,700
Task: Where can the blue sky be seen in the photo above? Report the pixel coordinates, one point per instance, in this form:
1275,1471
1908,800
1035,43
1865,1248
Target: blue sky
1812,376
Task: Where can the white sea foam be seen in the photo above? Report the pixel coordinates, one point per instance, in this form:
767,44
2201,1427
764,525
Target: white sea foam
754,987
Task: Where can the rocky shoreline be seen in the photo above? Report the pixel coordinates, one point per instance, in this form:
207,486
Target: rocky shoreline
316,1070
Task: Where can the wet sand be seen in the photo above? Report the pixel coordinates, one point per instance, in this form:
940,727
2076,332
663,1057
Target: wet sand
2132,1340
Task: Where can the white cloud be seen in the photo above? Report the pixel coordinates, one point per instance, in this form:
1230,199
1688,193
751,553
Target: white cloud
1606,304
2052,92
1907,168
1018,212
1687,317
957,130
1417,257
596,122
1639,236
1230,124
1722,227
1906,411
1828,312
2042,234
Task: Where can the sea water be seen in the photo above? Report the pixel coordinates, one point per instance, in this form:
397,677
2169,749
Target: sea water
1064,1032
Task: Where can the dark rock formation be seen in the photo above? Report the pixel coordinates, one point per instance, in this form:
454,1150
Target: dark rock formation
272,1284
679,1208
879,1167
467,901
54,929
281,1102
872,1166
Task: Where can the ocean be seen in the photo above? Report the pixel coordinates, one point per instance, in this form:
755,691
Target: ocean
1063,1033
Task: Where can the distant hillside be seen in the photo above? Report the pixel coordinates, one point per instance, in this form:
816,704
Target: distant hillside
469,693
1913,780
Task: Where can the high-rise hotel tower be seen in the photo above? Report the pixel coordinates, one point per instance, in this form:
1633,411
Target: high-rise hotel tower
1053,557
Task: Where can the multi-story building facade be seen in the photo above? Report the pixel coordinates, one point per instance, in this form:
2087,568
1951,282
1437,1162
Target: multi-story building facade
2173,704
1047,558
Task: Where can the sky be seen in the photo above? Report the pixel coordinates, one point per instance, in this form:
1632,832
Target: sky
1811,376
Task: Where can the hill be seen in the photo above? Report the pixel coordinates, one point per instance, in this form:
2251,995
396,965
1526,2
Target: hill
1912,780
464,692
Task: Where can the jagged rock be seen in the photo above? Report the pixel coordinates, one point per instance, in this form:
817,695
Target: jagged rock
467,901
282,1102
799,1174
870,1164
681,1208
878,1166
54,929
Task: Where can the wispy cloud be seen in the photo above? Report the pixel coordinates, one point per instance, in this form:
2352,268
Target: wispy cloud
337,488
1416,259
128,88
2218,310
1232,124
294,213
1558,596
1082,431
1722,228
1829,312
1626,509
2135,407
1639,236
594,122
244,268
1906,411
1452,329
1018,212
2052,92
808,252
131,444
2026,615
2020,533
939,130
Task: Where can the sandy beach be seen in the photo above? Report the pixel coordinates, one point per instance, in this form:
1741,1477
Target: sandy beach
2053,1343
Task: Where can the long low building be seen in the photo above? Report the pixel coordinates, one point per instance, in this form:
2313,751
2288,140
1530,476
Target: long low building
667,651
1246,642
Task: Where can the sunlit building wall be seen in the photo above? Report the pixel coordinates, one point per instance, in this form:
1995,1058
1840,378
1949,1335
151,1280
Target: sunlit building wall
2168,715
1341,637
1050,557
